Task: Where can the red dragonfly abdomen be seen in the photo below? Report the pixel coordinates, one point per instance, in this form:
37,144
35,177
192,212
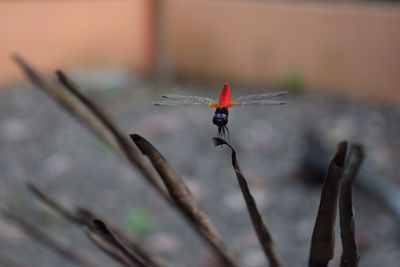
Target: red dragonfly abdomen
225,96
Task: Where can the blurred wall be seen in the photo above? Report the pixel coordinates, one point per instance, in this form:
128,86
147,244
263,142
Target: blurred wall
349,48
54,34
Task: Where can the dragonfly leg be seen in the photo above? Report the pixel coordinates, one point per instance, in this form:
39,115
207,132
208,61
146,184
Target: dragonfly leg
227,130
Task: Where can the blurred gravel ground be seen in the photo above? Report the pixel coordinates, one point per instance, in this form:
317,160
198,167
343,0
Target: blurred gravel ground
39,141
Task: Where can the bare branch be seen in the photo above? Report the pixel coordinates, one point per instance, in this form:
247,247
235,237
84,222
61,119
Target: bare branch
122,237
97,226
323,236
53,204
92,117
108,248
260,228
349,254
46,240
84,217
183,199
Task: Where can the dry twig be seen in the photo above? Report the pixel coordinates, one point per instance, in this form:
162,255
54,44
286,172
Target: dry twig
261,229
99,228
122,237
323,236
46,240
92,117
354,161
85,218
53,204
183,199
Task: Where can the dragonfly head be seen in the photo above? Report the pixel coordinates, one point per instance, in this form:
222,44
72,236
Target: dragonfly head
221,120
221,117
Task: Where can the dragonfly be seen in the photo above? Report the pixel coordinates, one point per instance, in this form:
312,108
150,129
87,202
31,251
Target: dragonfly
220,118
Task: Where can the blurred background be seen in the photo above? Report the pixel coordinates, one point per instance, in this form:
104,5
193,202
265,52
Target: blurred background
339,60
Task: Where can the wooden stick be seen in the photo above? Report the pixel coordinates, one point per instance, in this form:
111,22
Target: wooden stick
98,227
108,248
92,117
349,255
84,217
46,240
259,225
323,236
122,237
52,203
184,200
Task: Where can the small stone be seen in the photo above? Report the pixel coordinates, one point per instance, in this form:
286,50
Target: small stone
254,258
234,201
164,242
11,233
14,129
57,165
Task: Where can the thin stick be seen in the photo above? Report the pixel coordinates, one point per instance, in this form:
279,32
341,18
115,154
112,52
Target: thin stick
260,228
121,139
52,203
84,217
92,117
97,226
183,199
323,236
349,257
131,244
46,240
107,248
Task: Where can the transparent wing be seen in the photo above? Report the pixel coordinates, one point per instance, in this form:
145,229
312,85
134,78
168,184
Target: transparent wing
183,100
259,102
260,96
259,99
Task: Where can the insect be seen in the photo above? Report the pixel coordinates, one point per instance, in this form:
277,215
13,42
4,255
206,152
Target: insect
220,118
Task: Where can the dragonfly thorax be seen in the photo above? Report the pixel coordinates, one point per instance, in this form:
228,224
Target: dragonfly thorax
221,116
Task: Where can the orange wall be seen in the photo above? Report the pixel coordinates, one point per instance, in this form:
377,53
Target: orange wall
337,46
54,34
349,48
